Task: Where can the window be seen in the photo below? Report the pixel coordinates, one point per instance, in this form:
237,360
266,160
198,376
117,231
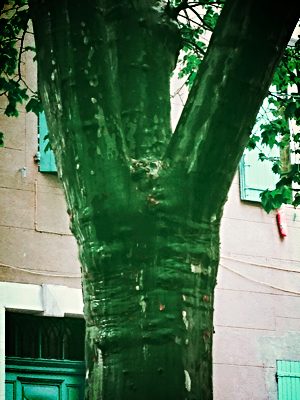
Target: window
47,160
255,175
288,377
44,337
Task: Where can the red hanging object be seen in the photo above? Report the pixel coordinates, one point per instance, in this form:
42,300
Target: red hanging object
282,223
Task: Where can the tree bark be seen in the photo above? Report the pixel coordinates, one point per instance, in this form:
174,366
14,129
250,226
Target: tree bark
232,81
149,298
146,207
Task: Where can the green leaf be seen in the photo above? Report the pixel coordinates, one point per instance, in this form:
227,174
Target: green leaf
267,201
262,157
277,167
252,142
290,110
35,105
11,110
29,48
296,201
273,199
48,147
287,194
297,112
1,139
269,135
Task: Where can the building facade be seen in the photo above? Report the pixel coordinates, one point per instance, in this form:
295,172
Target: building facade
257,297
39,268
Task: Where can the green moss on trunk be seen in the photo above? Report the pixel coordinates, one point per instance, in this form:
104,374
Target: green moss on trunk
148,291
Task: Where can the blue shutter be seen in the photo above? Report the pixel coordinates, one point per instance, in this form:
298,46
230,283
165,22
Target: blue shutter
255,175
288,375
47,161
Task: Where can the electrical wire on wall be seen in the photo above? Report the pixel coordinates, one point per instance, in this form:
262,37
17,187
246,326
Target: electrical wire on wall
41,272
221,265
30,271
36,214
259,265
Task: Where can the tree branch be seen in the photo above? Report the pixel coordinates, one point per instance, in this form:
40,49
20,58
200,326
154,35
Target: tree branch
201,19
214,128
187,18
21,51
190,20
197,48
174,12
277,97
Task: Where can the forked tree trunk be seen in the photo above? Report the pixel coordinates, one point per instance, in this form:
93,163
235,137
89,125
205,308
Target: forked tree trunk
146,208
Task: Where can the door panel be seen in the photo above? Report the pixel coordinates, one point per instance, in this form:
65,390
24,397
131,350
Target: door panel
38,392
73,392
30,379
9,390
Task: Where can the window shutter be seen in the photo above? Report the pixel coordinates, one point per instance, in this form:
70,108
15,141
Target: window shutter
255,175
47,161
288,375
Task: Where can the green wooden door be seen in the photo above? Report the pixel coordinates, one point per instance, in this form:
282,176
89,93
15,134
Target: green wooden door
30,379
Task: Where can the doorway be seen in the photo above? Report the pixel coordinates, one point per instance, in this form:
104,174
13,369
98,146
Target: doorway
44,358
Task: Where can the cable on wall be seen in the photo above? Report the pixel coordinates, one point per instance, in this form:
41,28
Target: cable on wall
222,265
36,213
261,283
260,265
40,272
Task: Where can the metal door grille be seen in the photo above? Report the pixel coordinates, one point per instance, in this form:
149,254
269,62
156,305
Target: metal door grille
44,337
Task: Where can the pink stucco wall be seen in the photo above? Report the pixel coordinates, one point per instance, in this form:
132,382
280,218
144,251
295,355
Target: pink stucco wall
257,308
34,226
257,305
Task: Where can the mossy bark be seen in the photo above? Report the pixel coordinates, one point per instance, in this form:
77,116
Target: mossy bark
145,206
148,286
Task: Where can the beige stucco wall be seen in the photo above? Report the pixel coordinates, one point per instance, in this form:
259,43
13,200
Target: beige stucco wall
257,300
34,230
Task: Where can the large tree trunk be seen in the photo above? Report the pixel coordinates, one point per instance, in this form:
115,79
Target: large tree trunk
149,292
146,208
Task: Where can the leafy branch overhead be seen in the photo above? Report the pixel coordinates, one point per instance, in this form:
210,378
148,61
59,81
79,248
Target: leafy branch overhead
13,29
195,18
280,122
14,26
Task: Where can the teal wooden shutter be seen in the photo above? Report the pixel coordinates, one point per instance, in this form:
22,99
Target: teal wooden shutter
47,161
255,175
288,375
